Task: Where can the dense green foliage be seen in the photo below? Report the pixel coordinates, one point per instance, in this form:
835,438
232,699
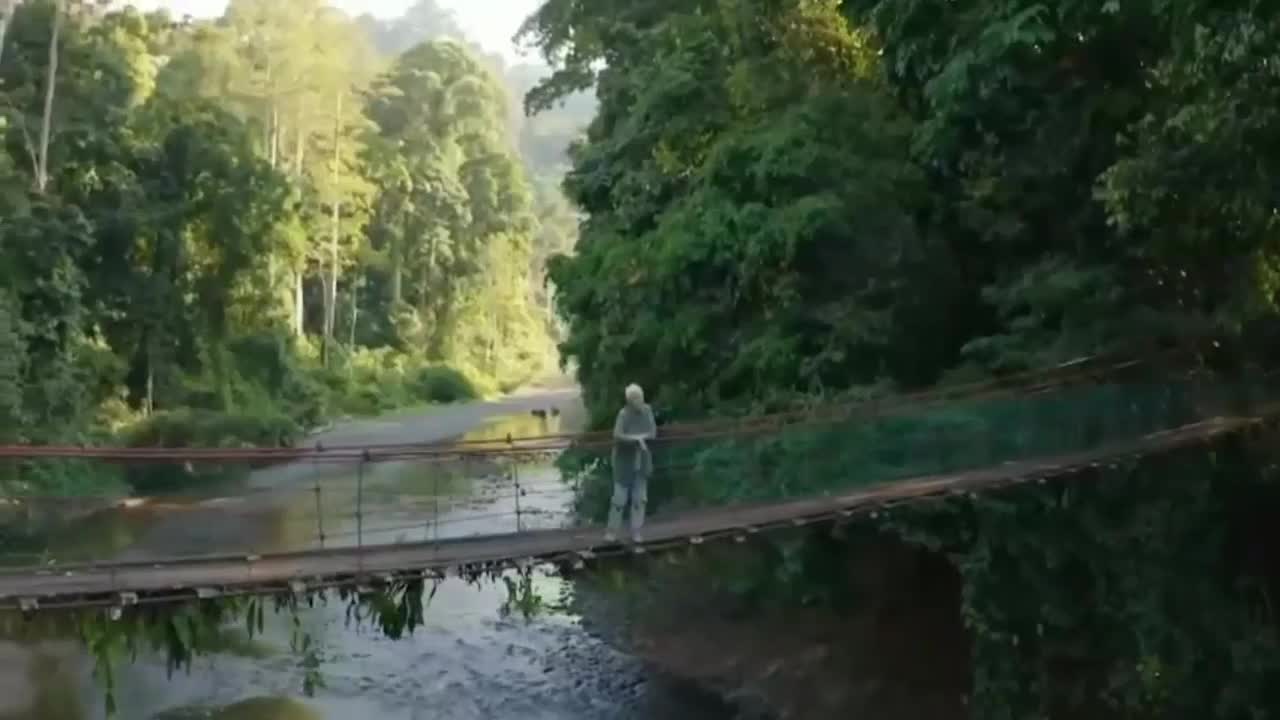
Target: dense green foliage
226,232
1134,596
542,140
230,231
806,199
810,196
841,455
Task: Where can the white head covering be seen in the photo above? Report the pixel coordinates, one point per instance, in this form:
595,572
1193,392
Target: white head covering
634,393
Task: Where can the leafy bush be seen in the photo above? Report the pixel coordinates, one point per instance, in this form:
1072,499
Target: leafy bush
207,428
275,377
305,399
443,384
71,477
203,428
264,358
369,382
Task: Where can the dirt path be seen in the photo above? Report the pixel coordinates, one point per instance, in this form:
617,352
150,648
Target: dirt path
427,426
439,423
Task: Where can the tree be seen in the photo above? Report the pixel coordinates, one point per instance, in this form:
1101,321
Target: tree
809,197
6,16
293,69
453,215
423,21
171,192
749,224
50,88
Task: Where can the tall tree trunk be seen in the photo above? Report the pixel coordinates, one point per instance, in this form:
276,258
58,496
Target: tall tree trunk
6,14
424,297
299,300
149,357
50,83
355,314
425,292
396,251
150,402
331,291
273,159
275,136
268,122
300,147
397,277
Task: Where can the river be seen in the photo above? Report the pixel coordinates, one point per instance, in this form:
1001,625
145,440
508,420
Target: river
471,660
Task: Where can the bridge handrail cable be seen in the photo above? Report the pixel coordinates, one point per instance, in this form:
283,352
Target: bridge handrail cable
1027,382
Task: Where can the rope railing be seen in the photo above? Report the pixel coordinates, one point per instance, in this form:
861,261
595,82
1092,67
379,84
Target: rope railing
115,590
1027,382
717,467
425,461
690,463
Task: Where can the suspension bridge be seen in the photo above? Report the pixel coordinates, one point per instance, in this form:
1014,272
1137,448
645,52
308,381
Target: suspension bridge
833,463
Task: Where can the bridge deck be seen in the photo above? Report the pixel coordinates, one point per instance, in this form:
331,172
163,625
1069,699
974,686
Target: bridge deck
185,578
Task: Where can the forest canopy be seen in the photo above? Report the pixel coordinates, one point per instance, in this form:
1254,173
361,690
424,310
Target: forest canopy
280,215
791,201
799,197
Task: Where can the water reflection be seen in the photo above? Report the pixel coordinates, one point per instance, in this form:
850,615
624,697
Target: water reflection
478,655
252,709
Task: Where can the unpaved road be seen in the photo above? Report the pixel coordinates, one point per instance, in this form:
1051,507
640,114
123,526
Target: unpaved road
441,423
428,426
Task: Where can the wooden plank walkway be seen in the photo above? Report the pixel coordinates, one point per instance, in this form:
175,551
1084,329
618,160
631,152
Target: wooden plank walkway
220,576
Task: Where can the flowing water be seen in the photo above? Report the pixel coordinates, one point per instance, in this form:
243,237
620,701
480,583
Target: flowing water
471,660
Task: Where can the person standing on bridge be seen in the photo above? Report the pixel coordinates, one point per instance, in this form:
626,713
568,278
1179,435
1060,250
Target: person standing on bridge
632,462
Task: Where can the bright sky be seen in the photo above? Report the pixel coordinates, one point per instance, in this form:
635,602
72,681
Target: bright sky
490,22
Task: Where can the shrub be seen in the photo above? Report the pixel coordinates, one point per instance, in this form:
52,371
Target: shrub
208,428
199,392
305,399
483,383
203,428
265,359
443,384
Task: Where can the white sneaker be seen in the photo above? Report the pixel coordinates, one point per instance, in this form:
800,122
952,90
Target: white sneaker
637,538
610,537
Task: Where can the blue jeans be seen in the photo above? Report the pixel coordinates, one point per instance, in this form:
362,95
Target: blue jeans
630,490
